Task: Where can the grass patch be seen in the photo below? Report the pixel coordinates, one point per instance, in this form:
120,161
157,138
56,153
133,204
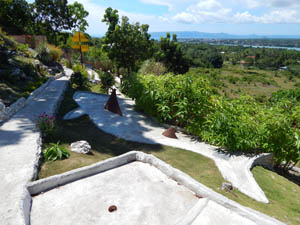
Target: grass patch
255,82
283,195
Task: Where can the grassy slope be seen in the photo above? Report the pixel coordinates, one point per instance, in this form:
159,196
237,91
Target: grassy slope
256,86
283,195
13,87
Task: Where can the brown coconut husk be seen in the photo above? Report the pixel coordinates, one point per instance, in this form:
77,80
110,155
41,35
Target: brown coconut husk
170,133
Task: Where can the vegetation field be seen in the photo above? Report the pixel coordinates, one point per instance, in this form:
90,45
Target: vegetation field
260,83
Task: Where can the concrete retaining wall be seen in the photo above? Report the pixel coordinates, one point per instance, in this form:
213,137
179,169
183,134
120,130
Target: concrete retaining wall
46,184
26,196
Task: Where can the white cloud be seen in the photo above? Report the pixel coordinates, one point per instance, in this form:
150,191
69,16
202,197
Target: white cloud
283,3
159,2
268,3
252,3
279,17
212,11
200,14
96,13
207,5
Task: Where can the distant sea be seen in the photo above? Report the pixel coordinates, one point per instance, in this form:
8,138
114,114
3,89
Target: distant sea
289,48
256,46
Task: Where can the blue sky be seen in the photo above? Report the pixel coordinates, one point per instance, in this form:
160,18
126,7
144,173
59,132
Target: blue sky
267,17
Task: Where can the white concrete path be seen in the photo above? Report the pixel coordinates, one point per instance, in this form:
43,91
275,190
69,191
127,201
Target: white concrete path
20,149
133,126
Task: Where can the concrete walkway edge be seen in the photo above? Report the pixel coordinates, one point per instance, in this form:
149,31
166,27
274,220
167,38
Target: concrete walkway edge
20,149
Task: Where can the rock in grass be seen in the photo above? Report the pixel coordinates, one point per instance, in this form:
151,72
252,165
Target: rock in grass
81,147
227,187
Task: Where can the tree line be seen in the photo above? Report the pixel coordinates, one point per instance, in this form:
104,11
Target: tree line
42,17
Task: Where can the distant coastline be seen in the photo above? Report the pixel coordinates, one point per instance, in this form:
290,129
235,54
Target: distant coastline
203,35
257,46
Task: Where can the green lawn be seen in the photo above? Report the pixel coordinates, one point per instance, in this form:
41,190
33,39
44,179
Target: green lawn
283,195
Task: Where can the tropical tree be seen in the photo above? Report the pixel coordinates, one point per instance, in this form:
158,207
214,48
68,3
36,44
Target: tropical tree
214,58
16,17
77,16
127,44
53,16
171,55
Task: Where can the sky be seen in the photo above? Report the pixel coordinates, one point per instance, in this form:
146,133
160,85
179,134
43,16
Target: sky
262,17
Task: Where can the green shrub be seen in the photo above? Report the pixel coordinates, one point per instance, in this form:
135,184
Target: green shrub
78,80
239,125
232,124
55,52
81,69
279,135
44,54
29,70
152,67
107,80
55,152
233,80
49,53
175,99
22,48
292,95
297,84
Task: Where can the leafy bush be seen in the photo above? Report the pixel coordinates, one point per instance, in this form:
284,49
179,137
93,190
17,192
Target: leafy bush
5,45
55,152
78,80
292,95
178,99
22,48
81,69
49,53
279,137
107,80
232,124
55,52
47,125
233,79
152,67
242,124
44,54
29,70
294,70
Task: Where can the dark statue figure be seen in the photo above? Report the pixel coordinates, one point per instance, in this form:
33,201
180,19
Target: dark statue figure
112,104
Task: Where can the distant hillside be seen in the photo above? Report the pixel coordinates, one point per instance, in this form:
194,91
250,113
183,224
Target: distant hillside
202,35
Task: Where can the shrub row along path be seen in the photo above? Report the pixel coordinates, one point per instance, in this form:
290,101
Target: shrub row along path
20,147
134,126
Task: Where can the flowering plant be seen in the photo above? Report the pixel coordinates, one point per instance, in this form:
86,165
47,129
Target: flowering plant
46,124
